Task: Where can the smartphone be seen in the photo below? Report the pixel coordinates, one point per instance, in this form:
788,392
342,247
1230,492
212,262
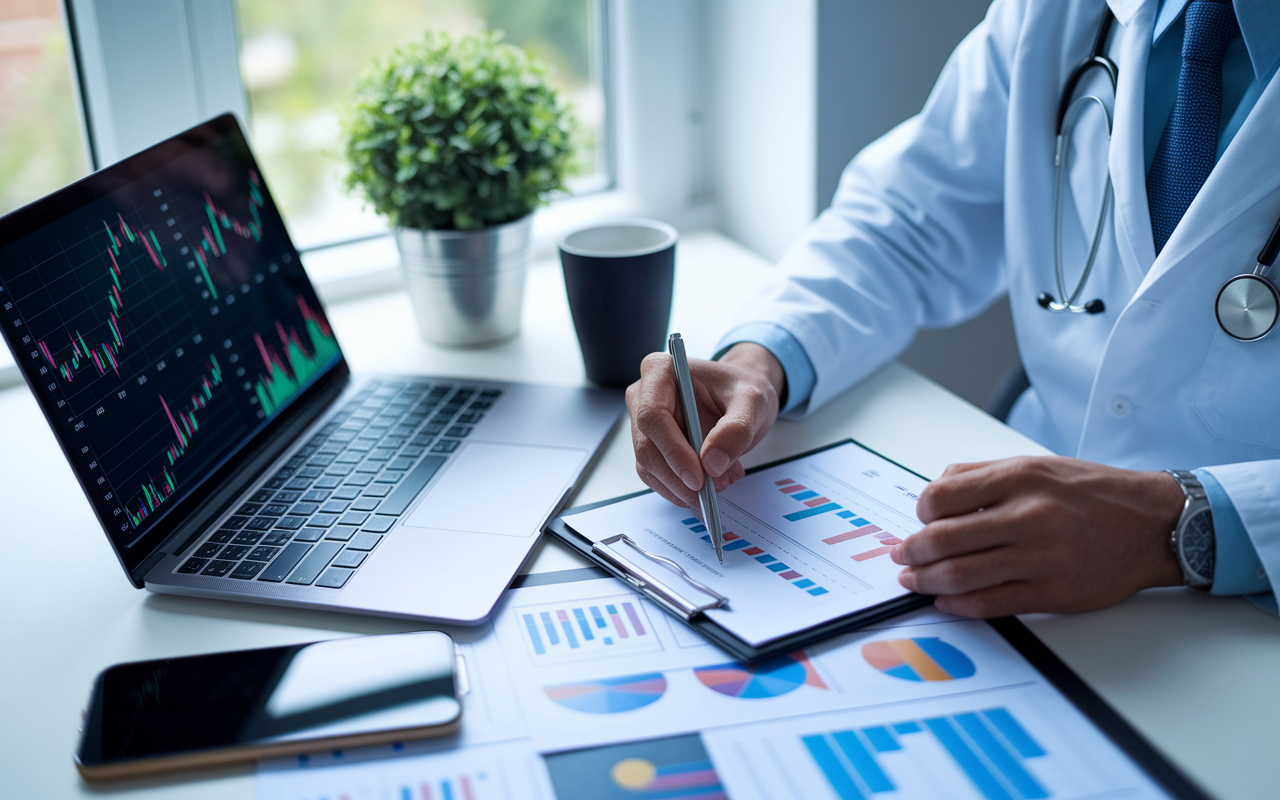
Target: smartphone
224,708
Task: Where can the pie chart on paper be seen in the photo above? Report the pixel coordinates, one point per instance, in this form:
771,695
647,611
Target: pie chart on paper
771,678
918,659
610,695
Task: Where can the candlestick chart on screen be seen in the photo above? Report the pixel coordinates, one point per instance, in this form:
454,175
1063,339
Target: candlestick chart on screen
162,326
284,376
212,243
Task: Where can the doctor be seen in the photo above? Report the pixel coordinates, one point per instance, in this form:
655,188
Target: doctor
1131,373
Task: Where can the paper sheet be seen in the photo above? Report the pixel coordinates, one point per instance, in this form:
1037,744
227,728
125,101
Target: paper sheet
623,702
806,542
652,681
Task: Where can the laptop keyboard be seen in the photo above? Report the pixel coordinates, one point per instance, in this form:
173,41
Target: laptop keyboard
326,509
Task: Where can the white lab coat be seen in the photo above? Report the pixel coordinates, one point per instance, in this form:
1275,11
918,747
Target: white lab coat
938,218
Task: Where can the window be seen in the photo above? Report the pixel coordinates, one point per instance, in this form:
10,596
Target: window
40,145
299,57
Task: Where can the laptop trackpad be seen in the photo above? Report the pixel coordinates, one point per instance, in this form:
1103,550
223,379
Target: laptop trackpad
499,488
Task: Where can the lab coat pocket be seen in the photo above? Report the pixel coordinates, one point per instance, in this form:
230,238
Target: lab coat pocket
1239,390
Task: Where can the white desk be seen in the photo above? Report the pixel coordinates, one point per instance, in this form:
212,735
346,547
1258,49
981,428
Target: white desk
1198,675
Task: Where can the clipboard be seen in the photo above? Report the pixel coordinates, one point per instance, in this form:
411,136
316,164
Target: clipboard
687,600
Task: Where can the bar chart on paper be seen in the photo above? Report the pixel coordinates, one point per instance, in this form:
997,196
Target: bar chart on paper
989,747
852,524
805,541
1021,743
600,627
485,772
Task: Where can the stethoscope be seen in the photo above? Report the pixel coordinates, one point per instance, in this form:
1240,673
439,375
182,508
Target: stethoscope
1247,306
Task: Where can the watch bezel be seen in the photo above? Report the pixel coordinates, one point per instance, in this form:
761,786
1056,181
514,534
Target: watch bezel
1194,506
1186,531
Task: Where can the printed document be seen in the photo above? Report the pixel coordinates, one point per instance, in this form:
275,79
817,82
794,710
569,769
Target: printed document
806,541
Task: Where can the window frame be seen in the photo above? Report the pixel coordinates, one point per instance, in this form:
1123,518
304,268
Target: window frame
646,61
649,63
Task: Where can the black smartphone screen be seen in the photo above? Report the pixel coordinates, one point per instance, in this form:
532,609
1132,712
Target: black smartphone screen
325,689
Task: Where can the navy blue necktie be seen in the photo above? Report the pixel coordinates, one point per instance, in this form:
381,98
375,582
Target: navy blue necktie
1185,155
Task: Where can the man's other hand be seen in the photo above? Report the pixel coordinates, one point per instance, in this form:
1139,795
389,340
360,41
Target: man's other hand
1041,534
737,400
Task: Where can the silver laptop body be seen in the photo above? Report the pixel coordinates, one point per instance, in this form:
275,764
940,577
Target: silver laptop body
283,479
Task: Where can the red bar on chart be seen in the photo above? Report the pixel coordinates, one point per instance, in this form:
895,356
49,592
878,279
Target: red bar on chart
817,501
753,551
790,574
793,489
729,536
783,482
853,534
618,624
879,551
635,619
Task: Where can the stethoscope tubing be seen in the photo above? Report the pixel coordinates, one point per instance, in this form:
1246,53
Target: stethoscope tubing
1069,301
1247,306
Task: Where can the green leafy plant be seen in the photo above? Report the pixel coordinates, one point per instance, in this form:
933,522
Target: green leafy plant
456,133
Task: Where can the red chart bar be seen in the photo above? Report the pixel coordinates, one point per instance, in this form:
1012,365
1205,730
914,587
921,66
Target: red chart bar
817,501
792,489
853,534
879,551
635,619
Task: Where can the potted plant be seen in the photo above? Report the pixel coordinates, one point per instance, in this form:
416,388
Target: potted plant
457,141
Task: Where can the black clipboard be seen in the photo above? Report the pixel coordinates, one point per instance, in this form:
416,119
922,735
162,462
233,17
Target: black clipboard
664,592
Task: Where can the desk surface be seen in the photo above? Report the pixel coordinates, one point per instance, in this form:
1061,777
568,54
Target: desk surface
1196,674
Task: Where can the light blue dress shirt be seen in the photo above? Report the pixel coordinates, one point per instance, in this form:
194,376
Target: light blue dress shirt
1248,66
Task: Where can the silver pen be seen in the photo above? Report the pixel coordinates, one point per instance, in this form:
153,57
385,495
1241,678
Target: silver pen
693,430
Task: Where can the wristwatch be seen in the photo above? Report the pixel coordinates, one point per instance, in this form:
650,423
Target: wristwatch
1193,541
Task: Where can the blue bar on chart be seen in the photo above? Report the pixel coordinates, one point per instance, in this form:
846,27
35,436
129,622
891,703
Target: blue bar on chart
816,503
443,790
733,542
990,747
811,512
587,628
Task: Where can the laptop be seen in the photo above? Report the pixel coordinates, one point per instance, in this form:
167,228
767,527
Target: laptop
162,317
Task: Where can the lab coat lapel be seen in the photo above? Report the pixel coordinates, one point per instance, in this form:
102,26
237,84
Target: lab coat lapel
1128,166
1248,171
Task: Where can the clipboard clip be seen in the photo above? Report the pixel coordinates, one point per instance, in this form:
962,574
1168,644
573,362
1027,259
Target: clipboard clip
643,579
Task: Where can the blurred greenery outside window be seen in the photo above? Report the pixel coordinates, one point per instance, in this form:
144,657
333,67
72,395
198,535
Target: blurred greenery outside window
298,59
41,148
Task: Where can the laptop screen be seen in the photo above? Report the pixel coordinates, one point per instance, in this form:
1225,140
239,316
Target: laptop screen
162,316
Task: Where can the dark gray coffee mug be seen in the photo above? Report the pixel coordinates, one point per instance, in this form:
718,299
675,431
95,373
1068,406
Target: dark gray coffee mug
619,278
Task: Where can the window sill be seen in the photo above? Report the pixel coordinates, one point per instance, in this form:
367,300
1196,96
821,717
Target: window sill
372,266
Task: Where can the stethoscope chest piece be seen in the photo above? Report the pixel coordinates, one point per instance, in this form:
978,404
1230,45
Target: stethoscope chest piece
1247,307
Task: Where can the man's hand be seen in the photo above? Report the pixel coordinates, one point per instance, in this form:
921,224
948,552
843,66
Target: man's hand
1041,534
737,400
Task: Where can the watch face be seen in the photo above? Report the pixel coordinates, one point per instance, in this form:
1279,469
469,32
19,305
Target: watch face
1197,545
